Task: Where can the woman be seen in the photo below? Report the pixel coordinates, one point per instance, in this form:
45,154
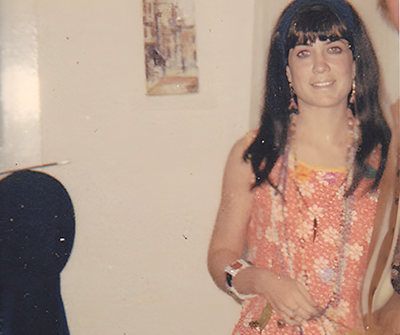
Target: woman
300,193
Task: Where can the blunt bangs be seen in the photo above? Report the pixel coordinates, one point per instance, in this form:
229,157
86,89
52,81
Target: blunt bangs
316,22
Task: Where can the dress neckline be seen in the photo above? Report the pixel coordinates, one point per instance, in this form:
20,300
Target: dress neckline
323,169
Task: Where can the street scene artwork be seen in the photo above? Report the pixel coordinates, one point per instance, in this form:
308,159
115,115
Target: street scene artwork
170,47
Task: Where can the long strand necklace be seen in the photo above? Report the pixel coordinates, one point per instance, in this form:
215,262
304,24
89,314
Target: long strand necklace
340,261
346,221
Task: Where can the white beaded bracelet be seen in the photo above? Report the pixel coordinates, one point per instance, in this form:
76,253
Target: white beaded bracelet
231,271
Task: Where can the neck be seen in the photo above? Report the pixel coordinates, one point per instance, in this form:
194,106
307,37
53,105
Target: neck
322,127
323,139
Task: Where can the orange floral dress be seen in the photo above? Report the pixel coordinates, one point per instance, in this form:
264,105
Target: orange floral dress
281,238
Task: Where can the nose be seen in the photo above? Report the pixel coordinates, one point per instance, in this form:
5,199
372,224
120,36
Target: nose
320,63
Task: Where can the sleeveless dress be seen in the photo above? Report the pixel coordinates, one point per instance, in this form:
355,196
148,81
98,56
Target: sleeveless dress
283,238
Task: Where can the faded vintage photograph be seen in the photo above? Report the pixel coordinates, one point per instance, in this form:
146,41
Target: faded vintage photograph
222,167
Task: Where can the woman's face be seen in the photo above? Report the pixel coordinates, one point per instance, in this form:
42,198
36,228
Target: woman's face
321,74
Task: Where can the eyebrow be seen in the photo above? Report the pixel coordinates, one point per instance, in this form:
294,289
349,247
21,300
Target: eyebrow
309,44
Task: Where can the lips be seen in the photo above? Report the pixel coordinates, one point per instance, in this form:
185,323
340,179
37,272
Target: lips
323,84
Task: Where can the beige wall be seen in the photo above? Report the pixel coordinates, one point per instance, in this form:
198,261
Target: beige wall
145,172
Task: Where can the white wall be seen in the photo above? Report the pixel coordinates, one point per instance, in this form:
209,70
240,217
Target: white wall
145,172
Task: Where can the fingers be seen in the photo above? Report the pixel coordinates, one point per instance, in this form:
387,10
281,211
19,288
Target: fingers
297,312
304,314
307,311
307,295
292,301
302,303
309,305
288,316
287,321
293,316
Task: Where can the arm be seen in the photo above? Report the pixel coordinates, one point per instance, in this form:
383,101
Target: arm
287,296
229,235
386,319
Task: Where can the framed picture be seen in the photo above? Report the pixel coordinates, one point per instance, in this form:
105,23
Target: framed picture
170,47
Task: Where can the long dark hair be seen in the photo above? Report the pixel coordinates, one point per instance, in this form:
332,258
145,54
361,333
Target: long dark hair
306,21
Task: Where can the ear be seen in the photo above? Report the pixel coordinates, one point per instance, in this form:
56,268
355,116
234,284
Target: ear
288,74
353,69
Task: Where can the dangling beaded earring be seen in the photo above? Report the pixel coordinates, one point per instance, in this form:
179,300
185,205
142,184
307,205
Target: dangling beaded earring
293,105
352,99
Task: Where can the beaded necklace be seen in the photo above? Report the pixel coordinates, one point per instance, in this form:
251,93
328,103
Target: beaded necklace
284,248
347,202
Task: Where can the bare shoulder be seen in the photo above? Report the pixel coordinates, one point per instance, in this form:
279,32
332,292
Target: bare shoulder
239,171
236,201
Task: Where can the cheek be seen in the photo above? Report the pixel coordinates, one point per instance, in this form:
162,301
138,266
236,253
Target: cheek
346,68
296,82
296,73
295,69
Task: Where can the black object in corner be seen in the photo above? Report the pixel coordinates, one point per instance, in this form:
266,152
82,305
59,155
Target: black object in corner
37,229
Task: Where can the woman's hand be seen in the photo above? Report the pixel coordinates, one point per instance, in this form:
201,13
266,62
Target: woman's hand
288,297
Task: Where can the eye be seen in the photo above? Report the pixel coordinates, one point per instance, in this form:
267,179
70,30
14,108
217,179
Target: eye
303,54
335,49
